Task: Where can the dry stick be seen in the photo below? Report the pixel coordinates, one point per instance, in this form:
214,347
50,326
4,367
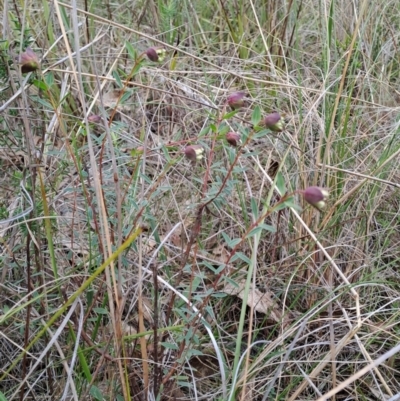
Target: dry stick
28,309
32,159
142,340
157,366
367,177
103,214
117,283
332,334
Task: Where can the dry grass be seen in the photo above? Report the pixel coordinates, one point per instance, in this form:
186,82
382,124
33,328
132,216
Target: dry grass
128,272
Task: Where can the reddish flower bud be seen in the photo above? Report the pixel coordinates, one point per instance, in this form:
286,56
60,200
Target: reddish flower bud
29,61
236,100
315,196
94,118
194,152
274,122
233,139
156,54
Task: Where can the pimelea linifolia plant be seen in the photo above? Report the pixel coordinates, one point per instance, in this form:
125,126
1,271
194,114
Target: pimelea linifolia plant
233,139
156,54
274,122
94,118
194,153
29,61
236,100
315,196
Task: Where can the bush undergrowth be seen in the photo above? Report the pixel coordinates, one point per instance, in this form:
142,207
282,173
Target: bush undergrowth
199,200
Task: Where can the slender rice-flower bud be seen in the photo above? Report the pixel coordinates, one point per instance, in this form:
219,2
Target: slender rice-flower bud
274,122
236,100
194,152
156,54
233,139
29,61
94,118
315,196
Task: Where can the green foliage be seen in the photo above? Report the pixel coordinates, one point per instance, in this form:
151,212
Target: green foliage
169,12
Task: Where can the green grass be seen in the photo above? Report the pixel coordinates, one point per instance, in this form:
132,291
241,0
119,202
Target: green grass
129,272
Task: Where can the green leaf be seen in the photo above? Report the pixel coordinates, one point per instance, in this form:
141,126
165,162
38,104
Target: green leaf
127,94
231,242
223,130
40,84
254,208
220,268
280,183
131,51
256,116
229,115
231,281
170,346
2,397
242,256
260,134
49,78
219,295
204,131
96,393
261,227
291,203
101,311
43,102
117,79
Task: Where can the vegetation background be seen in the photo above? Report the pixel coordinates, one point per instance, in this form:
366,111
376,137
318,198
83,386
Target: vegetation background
129,271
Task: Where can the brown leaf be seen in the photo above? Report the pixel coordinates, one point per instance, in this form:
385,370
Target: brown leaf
262,302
